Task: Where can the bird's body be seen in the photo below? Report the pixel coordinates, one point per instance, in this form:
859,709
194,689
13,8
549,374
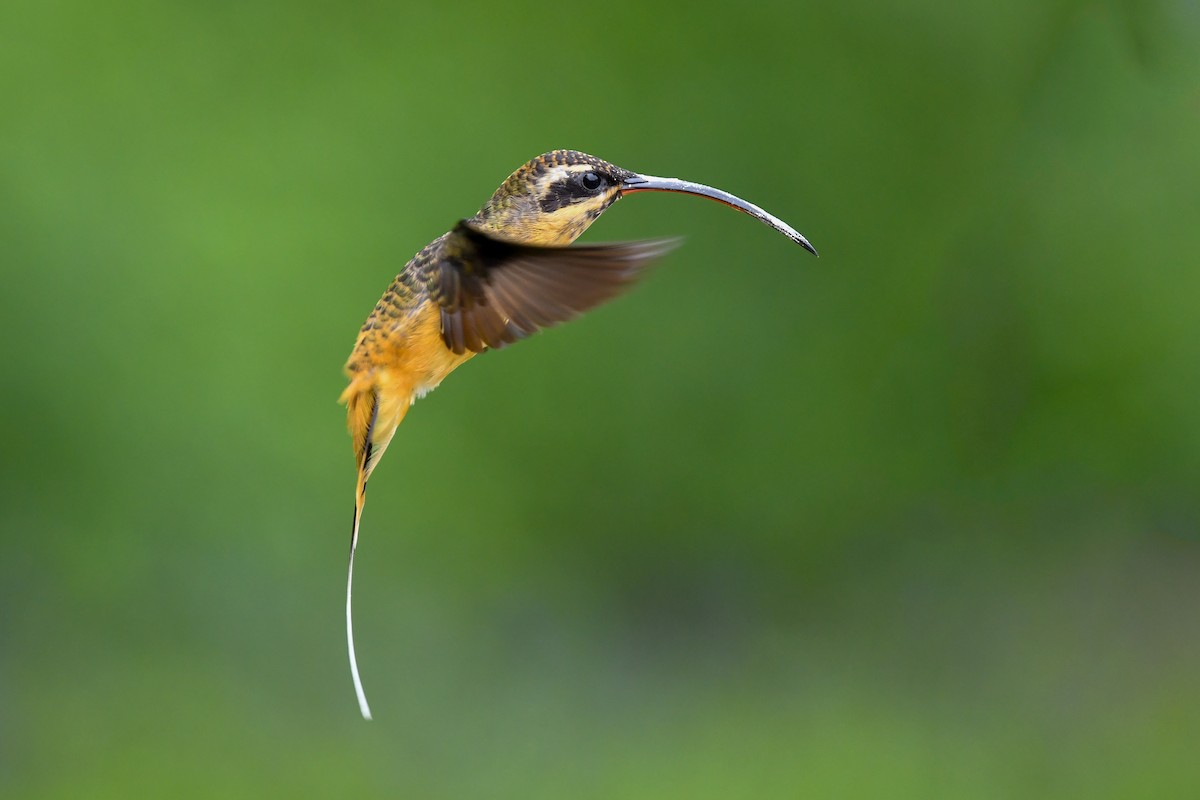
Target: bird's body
399,357
495,278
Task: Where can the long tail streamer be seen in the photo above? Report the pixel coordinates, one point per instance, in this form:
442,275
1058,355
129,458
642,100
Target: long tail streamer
358,687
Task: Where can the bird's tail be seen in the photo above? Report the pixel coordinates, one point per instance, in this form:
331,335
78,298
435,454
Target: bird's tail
373,414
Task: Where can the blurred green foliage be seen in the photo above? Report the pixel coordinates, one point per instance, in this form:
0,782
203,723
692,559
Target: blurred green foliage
919,519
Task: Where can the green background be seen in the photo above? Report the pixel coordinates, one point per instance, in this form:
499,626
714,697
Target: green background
917,519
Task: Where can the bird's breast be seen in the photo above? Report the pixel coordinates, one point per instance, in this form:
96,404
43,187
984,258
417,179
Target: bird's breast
405,355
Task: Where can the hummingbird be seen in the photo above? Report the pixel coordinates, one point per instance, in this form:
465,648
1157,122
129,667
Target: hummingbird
494,279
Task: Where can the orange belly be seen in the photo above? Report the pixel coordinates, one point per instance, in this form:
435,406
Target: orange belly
426,358
403,358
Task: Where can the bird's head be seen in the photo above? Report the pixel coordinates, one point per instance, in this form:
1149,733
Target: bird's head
553,199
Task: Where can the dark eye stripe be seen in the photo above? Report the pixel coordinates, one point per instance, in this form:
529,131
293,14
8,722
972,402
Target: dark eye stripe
569,190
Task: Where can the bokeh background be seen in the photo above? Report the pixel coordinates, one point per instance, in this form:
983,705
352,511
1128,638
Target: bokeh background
917,519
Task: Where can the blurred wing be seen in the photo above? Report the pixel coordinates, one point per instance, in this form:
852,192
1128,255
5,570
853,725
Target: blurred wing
494,292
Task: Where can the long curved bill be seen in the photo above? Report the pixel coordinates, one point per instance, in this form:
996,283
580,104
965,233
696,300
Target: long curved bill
649,183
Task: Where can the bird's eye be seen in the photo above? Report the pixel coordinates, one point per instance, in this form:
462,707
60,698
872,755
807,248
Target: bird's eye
591,181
